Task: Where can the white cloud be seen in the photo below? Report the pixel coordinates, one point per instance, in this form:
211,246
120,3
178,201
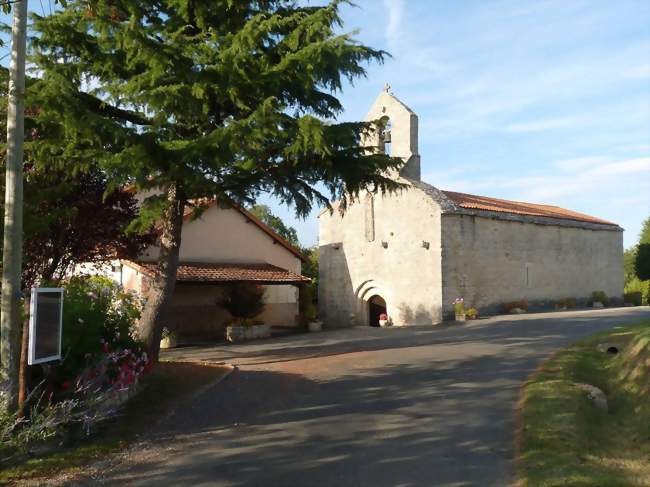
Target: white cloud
578,163
545,124
581,177
395,9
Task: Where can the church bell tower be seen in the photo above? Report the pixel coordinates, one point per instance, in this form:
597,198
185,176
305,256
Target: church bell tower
399,136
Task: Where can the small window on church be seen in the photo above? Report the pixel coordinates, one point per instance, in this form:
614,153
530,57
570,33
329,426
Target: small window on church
385,136
370,218
528,275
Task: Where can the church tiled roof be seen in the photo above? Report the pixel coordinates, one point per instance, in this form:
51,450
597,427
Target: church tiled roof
226,272
483,203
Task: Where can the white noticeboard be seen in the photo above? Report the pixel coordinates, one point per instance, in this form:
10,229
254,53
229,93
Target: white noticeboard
45,325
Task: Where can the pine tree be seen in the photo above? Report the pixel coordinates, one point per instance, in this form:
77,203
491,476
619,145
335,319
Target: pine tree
221,99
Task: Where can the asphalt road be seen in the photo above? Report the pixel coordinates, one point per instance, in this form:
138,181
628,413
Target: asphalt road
419,406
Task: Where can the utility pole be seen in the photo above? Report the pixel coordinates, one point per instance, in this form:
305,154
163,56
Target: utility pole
10,316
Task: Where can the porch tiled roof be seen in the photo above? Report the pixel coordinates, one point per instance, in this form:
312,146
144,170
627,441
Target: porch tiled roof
226,272
474,202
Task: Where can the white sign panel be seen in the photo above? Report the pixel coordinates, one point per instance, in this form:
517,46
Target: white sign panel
45,325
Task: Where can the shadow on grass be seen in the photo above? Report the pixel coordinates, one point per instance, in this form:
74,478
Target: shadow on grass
163,390
566,440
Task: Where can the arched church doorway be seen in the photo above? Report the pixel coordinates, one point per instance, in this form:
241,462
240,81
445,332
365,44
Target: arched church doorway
376,307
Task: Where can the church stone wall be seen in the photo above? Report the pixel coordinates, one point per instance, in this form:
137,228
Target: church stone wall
384,245
489,261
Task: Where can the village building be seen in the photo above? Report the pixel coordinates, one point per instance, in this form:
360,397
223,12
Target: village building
411,253
222,246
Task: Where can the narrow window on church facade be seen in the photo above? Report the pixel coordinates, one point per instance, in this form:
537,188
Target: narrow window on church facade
385,137
370,218
528,275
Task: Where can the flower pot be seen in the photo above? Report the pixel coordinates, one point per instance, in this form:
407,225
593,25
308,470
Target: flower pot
384,323
235,333
460,317
261,331
315,326
170,341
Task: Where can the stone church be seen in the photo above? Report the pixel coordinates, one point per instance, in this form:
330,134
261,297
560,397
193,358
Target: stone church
410,254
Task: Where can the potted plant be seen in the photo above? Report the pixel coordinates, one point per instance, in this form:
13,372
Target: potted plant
471,313
383,320
244,301
459,309
169,338
313,323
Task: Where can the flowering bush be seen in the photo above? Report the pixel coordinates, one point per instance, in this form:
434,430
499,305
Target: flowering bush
102,361
459,306
98,318
383,317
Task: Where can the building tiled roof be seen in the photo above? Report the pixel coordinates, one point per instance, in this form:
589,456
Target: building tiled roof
483,203
226,272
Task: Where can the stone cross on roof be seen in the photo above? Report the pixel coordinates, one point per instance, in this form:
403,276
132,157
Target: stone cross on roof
386,87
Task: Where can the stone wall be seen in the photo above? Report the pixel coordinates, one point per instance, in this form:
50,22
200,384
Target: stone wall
387,246
489,261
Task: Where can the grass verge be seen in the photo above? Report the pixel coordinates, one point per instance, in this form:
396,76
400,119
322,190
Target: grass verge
167,385
565,440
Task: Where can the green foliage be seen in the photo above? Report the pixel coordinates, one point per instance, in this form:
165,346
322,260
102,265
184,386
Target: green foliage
629,257
565,439
18,434
264,213
567,303
642,253
644,237
634,297
642,262
220,99
471,313
642,287
96,311
70,215
310,270
600,297
243,300
312,313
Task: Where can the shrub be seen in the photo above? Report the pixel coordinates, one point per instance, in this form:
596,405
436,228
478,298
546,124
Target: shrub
568,303
97,314
243,300
472,313
636,285
508,307
600,296
312,313
635,298
305,305
459,306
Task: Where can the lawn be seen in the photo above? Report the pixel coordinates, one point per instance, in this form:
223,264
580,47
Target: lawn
565,440
164,389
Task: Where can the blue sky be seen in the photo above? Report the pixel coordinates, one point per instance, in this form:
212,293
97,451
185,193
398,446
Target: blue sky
546,101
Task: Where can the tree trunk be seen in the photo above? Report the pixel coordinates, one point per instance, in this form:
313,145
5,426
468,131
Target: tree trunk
23,372
158,299
10,319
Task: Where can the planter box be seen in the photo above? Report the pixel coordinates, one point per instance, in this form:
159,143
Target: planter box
241,333
315,326
460,318
170,341
384,323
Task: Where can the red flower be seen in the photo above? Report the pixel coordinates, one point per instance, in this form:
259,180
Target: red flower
66,385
